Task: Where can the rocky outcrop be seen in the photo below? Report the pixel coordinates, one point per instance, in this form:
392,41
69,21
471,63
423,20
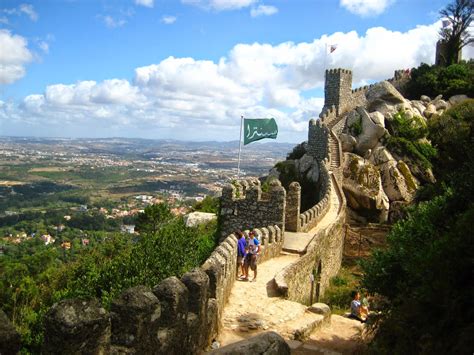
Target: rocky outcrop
194,219
9,337
373,128
362,187
269,343
398,182
382,93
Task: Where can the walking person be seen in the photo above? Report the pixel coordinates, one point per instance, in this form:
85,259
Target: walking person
241,247
252,255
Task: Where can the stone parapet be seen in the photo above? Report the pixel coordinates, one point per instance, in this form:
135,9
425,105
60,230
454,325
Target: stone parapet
179,316
244,207
310,218
306,280
318,140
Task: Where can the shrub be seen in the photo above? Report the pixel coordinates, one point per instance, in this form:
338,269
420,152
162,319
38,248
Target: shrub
356,127
434,80
338,294
406,127
403,146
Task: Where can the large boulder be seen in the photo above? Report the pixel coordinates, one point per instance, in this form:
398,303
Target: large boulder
419,106
456,99
371,132
9,337
304,163
269,343
196,218
382,92
313,173
398,182
362,187
380,155
348,142
429,111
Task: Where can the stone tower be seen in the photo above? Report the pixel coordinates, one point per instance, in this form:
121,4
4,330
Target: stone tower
337,89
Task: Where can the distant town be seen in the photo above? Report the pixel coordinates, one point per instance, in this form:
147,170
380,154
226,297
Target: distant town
111,180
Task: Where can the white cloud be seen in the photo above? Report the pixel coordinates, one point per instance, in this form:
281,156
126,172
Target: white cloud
23,9
29,11
366,7
111,22
146,3
220,5
13,57
168,20
263,10
44,46
4,20
284,81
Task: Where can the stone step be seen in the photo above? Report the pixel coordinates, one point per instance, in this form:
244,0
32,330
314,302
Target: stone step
300,328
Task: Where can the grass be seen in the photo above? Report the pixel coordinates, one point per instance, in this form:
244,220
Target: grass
338,294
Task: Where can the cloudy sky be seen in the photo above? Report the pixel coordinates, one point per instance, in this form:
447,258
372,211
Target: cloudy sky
188,69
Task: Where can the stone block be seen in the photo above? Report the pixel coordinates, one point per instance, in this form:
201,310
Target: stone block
76,326
135,317
268,343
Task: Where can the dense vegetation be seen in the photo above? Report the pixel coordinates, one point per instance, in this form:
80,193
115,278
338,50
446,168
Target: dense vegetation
426,271
34,276
433,80
408,139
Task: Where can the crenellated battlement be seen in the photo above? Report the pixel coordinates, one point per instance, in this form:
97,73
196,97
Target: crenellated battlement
338,90
338,71
244,206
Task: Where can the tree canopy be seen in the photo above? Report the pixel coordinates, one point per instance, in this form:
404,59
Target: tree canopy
425,273
455,34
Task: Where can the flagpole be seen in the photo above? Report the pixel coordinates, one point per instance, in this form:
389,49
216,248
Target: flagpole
240,145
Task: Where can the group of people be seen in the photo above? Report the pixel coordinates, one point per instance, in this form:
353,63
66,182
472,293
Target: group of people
248,249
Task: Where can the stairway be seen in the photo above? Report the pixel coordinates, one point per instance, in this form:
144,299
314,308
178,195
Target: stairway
334,149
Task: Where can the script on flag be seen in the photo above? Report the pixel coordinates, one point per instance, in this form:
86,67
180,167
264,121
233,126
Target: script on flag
259,128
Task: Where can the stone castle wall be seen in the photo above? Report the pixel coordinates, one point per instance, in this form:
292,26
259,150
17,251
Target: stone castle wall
178,316
338,93
310,218
318,138
243,206
293,206
321,261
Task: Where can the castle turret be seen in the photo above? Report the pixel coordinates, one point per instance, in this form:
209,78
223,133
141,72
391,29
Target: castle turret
337,89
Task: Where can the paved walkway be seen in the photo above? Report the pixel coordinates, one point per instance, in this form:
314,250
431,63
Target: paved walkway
298,242
254,307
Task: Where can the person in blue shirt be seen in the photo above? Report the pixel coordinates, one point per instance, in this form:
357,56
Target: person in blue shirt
241,246
357,311
251,257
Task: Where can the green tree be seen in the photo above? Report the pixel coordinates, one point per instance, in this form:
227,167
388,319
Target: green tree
208,204
426,270
456,35
153,218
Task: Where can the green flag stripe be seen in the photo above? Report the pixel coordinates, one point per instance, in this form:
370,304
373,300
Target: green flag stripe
259,128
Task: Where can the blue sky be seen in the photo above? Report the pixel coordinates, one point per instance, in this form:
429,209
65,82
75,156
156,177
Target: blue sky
188,69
